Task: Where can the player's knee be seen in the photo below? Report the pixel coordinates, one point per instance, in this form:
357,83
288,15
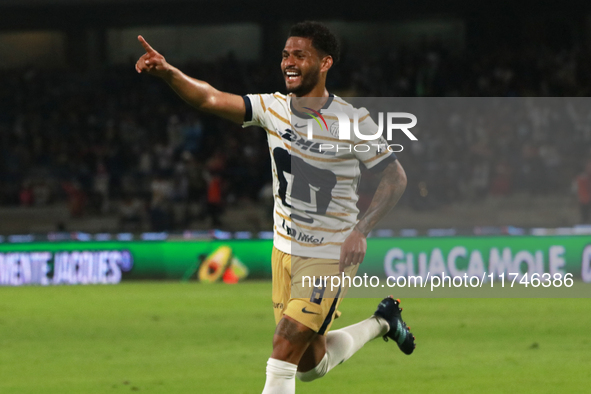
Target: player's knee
308,376
315,373
290,340
281,347
286,350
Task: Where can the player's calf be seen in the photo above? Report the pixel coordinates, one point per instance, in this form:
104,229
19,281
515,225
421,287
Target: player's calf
290,341
341,345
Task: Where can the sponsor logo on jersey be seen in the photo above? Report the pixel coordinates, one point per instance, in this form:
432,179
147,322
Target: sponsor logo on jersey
301,236
304,144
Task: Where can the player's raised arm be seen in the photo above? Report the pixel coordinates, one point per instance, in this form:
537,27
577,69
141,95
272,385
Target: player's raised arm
199,94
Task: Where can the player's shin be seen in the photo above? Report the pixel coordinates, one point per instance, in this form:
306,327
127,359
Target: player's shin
280,377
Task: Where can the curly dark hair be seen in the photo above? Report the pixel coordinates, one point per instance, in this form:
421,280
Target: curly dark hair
322,38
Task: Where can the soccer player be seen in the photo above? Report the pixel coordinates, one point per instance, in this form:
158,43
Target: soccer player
319,234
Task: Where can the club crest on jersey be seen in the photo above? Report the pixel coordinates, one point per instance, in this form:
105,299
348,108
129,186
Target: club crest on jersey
334,129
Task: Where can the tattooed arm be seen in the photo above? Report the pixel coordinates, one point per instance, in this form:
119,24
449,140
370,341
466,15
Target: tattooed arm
387,195
389,191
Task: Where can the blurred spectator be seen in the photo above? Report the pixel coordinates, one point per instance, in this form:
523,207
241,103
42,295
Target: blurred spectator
26,194
267,199
583,187
192,133
213,175
501,182
131,212
161,218
192,187
114,133
41,193
101,189
76,198
174,131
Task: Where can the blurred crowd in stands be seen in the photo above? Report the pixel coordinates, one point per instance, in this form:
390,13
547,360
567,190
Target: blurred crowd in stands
113,141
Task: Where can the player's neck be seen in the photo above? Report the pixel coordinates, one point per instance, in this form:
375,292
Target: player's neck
319,91
316,98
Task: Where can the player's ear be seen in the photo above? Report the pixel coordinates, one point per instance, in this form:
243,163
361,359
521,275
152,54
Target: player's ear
326,63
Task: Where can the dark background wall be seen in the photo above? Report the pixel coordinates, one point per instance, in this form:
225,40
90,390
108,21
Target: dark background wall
85,24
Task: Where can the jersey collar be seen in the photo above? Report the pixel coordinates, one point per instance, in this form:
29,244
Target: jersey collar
305,115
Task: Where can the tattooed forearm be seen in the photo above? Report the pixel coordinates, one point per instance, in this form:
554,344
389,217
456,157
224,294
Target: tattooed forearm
387,195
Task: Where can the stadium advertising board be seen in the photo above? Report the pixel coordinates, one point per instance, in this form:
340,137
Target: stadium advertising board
480,266
64,267
52,263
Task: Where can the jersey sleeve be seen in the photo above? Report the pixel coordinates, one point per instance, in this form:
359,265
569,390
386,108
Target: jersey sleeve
374,154
256,108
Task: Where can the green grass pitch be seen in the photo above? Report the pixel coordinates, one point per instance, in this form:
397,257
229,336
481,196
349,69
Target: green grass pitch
163,337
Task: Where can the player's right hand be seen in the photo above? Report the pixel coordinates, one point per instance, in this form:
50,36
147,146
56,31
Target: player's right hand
152,62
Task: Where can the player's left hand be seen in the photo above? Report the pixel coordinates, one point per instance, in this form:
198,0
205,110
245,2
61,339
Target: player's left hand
353,250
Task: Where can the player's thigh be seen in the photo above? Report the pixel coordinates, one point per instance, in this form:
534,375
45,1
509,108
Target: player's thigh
281,270
314,296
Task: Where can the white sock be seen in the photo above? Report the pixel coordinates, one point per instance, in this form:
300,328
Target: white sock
280,377
342,344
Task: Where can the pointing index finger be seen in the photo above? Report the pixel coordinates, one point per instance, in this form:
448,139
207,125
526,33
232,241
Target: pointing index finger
145,44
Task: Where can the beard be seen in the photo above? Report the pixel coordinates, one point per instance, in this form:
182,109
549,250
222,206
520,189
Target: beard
309,81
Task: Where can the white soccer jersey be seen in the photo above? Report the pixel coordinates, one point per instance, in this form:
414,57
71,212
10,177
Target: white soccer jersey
314,181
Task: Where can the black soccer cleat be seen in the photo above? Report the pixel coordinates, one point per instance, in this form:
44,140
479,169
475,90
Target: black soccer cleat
390,311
